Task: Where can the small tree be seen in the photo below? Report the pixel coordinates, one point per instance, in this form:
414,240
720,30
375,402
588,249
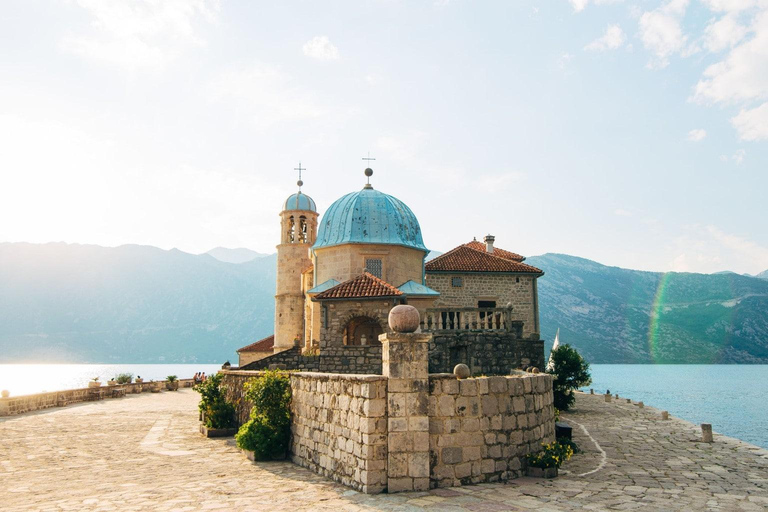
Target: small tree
571,371
218,412
268,432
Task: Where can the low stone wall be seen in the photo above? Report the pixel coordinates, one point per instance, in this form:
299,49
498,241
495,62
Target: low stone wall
364,360
233,384
339,427
480,429
27,403
488,353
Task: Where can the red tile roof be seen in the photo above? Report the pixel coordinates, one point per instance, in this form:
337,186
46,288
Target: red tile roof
466,259
265,345
501,253
363,286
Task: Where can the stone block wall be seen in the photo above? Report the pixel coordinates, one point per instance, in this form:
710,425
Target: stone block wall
339,428
480,429
338,314
355,359
488,353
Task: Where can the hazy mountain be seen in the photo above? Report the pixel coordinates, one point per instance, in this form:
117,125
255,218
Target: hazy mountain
614,315
762,275
84,303
239,255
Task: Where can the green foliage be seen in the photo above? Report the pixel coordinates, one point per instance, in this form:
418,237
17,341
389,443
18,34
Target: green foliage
124,378
551,456
268,432
571,371
171,378
218,412
557,414
95,379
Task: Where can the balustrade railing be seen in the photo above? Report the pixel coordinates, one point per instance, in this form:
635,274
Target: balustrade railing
470,319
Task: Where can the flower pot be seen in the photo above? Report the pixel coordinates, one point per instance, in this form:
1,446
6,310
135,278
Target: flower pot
541,472
217,432
172,386
111,383
252,457
94,384
155,387
139,381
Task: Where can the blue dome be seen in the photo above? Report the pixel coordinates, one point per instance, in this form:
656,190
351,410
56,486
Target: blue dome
299,201
369,217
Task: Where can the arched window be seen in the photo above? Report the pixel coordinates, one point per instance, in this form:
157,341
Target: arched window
291,230
303,229
362,330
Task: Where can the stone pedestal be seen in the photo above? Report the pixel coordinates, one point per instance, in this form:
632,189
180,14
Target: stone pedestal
706,432
405,363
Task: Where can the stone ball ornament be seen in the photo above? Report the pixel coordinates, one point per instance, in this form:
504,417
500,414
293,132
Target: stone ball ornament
404,318
461,371
5,393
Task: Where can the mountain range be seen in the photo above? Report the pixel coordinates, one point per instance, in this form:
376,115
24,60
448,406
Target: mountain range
132,304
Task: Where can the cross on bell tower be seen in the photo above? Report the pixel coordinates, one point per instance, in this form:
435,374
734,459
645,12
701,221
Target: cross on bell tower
300,168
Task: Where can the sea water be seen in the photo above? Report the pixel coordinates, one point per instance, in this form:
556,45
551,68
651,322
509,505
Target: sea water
730,397
26,379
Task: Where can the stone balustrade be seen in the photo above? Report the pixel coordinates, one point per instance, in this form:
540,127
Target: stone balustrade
470,319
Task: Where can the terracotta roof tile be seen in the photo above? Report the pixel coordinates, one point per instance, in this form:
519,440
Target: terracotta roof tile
363,286
466,259
501,253
265,345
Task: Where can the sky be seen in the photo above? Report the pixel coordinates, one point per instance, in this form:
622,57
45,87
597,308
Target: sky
631,133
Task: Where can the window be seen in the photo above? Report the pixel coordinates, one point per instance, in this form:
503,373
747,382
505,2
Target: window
373,266
457,282
486,304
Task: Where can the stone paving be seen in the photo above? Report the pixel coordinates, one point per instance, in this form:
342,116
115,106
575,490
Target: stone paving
144,452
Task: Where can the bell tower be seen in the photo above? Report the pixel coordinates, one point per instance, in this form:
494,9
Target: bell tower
298,229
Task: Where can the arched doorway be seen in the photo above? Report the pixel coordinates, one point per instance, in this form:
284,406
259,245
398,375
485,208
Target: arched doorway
362,330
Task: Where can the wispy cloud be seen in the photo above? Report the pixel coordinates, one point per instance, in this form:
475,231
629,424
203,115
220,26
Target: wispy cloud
612,39
320,48
141,34
697,135
662,33
622,212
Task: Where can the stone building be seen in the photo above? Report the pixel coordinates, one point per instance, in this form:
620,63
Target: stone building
337,280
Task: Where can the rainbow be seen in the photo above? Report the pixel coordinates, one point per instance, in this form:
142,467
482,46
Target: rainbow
657,308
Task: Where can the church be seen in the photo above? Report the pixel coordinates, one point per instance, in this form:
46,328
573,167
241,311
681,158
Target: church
339,276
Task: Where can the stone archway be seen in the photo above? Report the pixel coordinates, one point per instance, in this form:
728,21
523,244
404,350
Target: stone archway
362,331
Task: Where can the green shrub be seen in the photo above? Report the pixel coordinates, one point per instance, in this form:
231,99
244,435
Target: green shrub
124,378
268,432
171,378
218,412
571,371
552,456
568,442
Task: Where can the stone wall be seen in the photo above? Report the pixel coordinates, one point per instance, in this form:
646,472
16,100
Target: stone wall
519,290
487,353
480,429
339,428
27,403
358,360
407,430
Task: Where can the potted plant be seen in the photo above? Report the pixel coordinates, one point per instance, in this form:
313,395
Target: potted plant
124,378
218,415
139,380
154,386
5,393
172,383
266,436
545,463
112,381
94,383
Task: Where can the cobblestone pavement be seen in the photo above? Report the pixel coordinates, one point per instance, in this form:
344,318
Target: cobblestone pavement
144,452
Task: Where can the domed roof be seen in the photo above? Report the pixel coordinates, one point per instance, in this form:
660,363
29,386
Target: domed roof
299,201
369,217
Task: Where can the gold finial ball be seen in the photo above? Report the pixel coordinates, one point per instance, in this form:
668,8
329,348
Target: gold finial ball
368,172
300,183
404,318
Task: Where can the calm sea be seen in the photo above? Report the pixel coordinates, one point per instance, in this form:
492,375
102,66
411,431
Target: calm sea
730,397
